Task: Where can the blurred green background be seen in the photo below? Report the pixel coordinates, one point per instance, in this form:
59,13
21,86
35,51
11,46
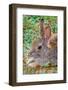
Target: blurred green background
31,31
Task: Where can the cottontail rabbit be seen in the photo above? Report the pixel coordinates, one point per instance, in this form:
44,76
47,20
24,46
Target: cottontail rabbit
44,49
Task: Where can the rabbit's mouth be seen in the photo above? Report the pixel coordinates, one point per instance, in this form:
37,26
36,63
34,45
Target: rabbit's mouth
31,60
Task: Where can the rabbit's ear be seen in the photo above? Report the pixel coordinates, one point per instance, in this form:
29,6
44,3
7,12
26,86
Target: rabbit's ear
47,31
42,27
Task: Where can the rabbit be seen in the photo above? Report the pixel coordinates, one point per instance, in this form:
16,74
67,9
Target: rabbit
43,51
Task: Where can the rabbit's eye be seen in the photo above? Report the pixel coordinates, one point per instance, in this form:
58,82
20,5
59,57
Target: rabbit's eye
39,47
